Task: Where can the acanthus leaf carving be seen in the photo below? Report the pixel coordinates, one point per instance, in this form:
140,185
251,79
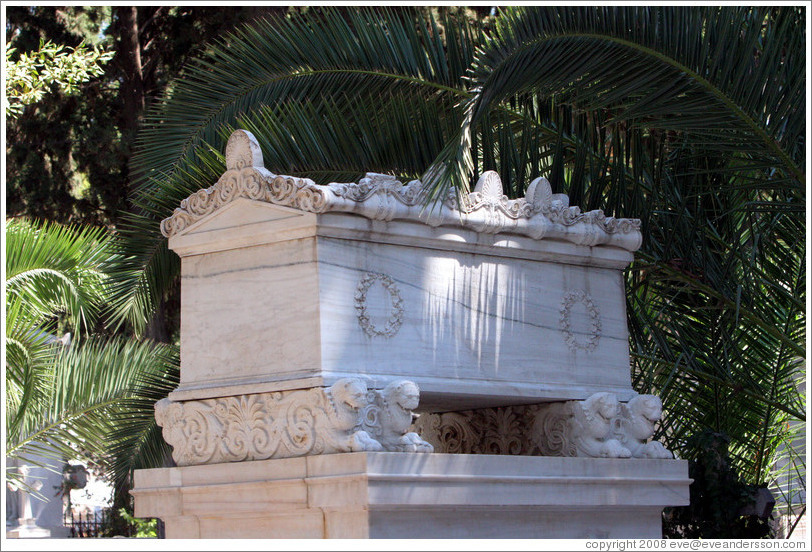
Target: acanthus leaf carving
346,417
598,427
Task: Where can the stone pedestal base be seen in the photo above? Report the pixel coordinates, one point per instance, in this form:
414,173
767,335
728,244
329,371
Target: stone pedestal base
396,495
28,532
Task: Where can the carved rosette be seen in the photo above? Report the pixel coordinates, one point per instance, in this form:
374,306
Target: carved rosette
540,214
292,423
599,427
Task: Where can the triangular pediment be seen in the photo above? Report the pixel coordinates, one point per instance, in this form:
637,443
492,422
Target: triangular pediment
242,222
241,213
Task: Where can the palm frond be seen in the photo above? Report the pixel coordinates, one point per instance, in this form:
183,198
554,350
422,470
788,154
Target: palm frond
55,269
662,72
93,385
286,77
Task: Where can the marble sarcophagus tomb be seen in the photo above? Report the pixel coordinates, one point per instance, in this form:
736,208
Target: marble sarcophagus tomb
315,319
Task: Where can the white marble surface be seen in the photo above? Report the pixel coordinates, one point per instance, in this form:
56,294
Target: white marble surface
346,417
390,495
250,314
478,320
482,301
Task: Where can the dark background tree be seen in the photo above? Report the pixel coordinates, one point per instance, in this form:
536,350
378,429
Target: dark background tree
67,156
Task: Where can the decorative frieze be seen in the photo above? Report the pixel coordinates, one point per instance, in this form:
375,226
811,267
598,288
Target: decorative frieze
540,214
346,417
599,427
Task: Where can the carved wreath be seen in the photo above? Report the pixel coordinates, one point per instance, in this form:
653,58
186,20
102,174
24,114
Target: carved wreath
570,298
396,316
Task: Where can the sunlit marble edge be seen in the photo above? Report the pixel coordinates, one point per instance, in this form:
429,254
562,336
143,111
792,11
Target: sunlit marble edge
434,390
401,233
396,495
408,480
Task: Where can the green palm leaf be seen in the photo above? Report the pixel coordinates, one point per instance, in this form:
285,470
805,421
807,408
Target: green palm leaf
90,388
666,71
66,398
289,77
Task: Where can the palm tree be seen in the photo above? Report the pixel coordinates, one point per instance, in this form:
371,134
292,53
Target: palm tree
86,395
638,111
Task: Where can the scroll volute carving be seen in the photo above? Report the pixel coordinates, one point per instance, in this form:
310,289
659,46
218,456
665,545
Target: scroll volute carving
346,417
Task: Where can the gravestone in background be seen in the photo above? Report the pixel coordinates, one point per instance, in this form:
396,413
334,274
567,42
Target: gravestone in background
35,516
315,320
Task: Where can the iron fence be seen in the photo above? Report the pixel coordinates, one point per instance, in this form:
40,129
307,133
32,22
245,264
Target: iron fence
103,524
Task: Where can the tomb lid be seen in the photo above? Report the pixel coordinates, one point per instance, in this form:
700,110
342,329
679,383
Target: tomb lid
540,215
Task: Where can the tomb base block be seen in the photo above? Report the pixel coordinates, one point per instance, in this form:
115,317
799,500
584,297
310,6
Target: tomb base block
395,495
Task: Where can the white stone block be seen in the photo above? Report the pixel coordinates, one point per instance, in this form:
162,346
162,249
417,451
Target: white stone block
391,495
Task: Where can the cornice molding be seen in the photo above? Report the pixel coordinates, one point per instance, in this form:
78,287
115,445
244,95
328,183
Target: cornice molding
539,215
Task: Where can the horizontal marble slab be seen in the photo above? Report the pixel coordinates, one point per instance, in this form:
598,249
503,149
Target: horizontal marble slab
390,495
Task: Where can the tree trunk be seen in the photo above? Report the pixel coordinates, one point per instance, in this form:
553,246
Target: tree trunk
157,328
132,89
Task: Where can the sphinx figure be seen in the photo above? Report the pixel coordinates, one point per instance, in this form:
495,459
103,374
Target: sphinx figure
592,427
397,400
347,397
637,420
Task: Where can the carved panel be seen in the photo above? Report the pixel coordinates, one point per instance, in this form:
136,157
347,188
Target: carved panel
346,417
598,427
